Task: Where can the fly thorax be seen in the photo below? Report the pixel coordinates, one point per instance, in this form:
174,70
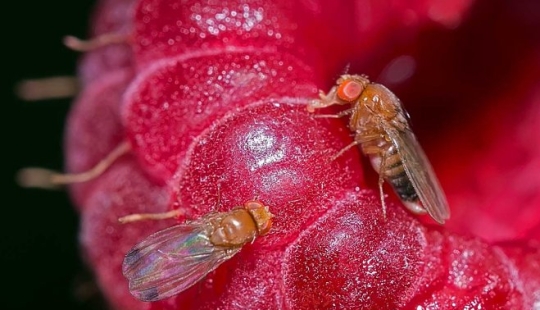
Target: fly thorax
363,118
235,229
381,144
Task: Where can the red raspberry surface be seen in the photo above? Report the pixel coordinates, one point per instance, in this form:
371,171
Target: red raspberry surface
94,127
110,17
212,101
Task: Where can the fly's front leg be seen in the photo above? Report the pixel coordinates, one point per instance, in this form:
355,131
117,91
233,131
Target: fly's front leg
325,100
338,115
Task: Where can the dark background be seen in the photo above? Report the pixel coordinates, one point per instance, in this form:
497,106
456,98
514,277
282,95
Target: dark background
39,231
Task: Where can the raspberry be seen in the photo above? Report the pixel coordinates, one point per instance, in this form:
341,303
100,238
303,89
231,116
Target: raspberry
215,111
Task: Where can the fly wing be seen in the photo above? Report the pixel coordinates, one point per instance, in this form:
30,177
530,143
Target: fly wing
420,173
172,260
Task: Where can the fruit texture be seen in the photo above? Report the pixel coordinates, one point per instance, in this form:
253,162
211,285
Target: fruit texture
211,97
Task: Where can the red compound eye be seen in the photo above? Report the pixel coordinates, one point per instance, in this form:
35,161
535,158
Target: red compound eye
253,204
350,90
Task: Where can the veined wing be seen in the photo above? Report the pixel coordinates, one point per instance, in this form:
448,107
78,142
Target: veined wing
420,173
172,260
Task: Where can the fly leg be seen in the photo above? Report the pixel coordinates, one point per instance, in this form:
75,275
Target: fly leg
372,151
338,115
358,141
325,100
345,149
381,182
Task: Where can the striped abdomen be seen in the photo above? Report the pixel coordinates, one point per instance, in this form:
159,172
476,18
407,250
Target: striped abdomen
393,170
394,173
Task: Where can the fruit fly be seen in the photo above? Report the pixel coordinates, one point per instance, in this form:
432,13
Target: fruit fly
383,133
172,260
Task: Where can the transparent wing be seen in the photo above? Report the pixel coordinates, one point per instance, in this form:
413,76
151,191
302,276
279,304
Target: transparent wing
172,260
420,173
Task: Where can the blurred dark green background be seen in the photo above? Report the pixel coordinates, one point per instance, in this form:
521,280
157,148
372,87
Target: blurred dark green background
39,230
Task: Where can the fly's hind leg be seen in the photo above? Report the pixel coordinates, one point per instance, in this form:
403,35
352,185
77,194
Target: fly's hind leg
377,151
381,183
